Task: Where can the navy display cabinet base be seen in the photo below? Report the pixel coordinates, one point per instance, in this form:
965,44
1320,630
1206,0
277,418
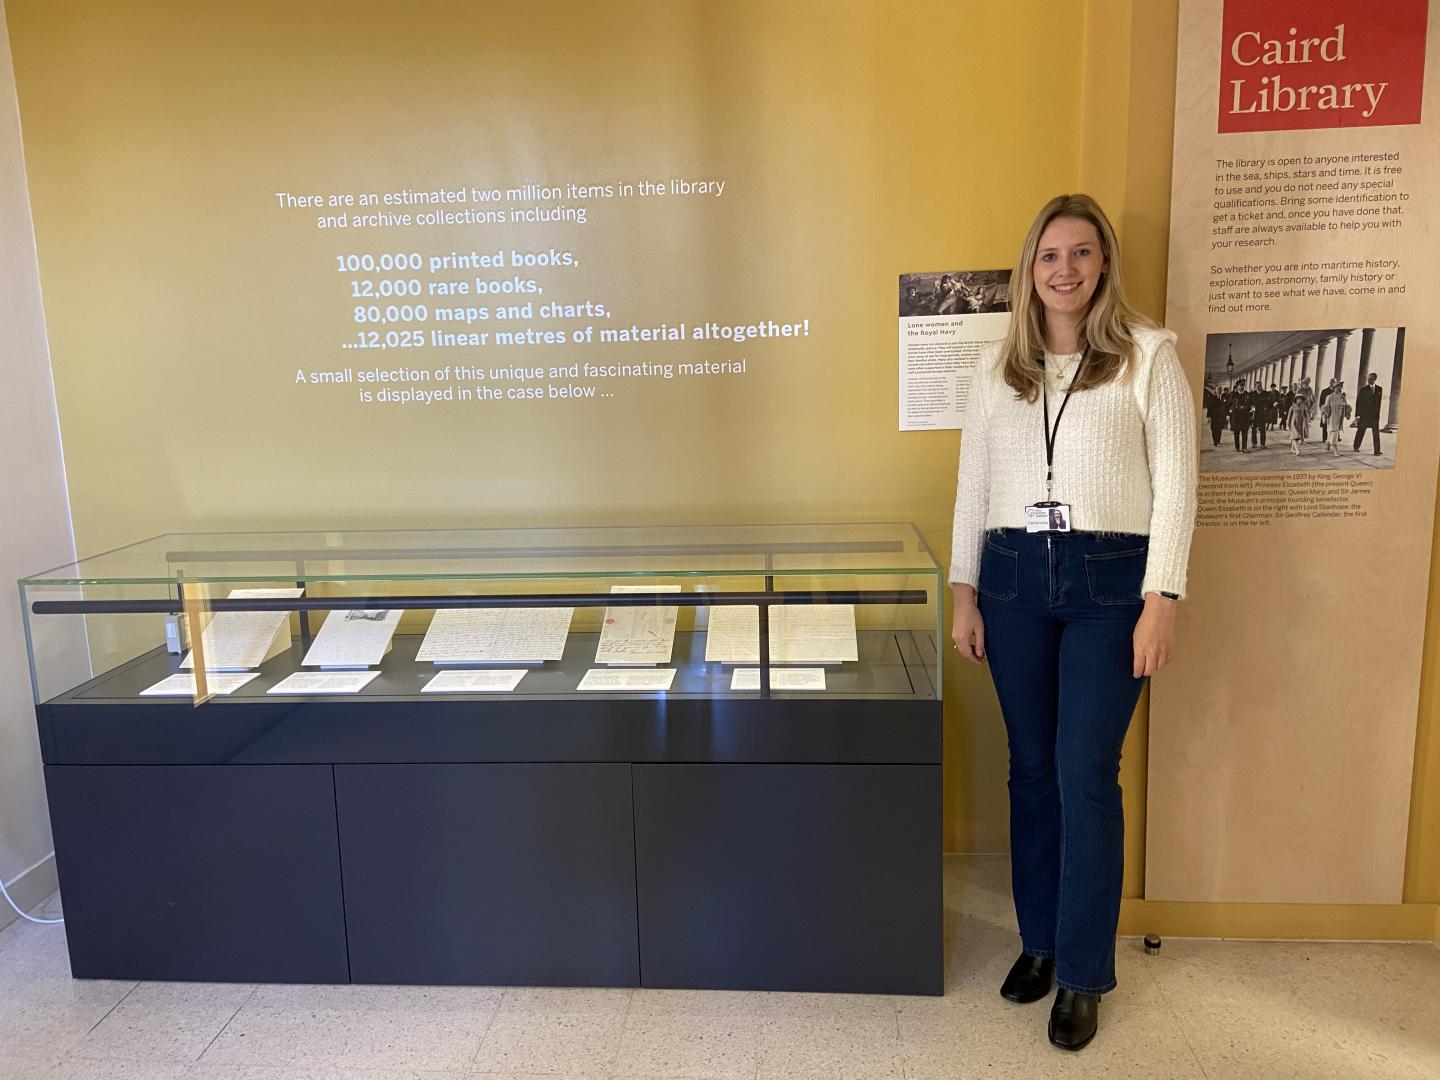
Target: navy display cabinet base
770,843
790,877
211,872
489,874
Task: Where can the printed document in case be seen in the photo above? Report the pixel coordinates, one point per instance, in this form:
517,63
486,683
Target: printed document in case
638,635
799,634
243,640
323,682
183,685
633,679
496,635
353,639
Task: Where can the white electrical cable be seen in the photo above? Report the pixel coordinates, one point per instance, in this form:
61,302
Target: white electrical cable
16,907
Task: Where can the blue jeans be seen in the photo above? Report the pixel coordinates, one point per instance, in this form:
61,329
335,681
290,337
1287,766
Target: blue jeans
1060,612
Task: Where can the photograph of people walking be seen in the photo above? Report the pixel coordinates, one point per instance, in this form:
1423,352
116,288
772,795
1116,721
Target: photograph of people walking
1326,399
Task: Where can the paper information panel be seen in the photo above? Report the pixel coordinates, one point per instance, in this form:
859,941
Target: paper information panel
799,634
627,679
945,320
353,639
492,681
324,682
1301,283
780,679
241,640
496,635
638,635
184,685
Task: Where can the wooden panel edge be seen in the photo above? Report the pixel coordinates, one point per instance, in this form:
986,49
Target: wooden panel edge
1305,922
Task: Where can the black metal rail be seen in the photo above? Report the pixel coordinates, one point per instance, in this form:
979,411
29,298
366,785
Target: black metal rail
174,606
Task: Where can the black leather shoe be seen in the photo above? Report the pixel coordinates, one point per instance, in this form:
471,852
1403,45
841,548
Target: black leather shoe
1074,1019
1029,979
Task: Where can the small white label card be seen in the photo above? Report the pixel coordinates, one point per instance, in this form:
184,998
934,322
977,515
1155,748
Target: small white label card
353,638
800,678
323,682
489,681
496,635
241,640
627,679
183,685
638,635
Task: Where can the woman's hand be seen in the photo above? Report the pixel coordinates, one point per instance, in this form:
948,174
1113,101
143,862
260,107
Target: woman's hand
968,629
1154,635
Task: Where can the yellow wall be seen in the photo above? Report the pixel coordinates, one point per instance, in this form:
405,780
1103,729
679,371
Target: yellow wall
856,145
858,142
1422,863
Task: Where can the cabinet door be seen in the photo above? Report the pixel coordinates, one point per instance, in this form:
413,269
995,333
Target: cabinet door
790,877
489,874
218,873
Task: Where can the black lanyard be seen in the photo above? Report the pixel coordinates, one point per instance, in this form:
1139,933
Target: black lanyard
1051,432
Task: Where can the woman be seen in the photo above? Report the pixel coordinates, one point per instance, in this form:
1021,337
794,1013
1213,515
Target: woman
1301,410
1337,411
1083,406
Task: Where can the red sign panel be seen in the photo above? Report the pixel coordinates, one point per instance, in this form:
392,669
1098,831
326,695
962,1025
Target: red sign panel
1293,64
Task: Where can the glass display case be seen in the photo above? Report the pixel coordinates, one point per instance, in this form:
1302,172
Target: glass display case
685,756
854,607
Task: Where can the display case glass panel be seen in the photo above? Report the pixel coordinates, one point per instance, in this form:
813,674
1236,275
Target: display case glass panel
842,610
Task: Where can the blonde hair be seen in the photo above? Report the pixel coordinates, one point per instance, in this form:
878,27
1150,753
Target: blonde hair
1106,333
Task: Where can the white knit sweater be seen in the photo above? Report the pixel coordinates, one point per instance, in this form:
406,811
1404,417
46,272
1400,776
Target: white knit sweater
1124,458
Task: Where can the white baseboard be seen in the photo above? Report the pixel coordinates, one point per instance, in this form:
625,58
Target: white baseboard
29,888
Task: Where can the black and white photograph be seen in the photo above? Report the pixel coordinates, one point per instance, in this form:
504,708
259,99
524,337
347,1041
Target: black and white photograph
1287,400
956,292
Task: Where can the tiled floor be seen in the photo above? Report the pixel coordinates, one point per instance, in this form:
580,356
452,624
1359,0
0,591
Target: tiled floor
1203,1009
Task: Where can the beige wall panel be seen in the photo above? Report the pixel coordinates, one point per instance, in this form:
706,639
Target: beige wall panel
1282,748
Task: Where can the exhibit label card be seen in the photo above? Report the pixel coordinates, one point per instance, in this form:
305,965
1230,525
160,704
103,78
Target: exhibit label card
496,635
490,681
638,635
353,639
628,679
946,319
799,678
183,685
323,682
799,634
241,640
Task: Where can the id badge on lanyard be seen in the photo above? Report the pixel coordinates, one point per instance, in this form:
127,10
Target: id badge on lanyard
1049,516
